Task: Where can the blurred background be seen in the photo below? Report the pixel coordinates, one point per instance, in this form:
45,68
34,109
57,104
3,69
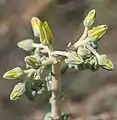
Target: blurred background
88,95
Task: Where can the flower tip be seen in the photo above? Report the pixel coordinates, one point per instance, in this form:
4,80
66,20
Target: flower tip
93,11
4,76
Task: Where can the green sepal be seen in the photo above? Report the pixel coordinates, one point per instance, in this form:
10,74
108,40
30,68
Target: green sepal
14,73
26,45
18,91
90,19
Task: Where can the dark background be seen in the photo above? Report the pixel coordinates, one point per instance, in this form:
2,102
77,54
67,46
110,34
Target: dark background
88,95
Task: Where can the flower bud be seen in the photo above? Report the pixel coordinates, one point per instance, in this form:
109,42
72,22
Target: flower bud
36,24
105,62
18,91
46,36
90,18
15,73
30,60
97,32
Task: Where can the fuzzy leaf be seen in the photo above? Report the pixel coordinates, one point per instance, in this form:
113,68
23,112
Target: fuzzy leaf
90,18
26,45
15,73
18,91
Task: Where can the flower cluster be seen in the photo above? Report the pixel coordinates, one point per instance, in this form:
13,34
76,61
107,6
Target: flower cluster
86,56
33,81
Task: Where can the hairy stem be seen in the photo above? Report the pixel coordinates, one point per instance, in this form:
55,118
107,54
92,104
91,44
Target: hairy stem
93,50
55,103
84,35
62,53
83,40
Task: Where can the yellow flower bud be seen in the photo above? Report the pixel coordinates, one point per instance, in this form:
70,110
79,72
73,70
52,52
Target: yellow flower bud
97,32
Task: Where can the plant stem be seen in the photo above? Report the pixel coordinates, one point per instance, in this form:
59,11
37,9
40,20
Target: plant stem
83,40
62,53
93,50
84,35
55,103
80,43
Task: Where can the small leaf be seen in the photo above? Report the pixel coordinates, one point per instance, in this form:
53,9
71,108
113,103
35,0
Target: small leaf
97,32
26,45
15,73
18,91
90,18
36,24
105,62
